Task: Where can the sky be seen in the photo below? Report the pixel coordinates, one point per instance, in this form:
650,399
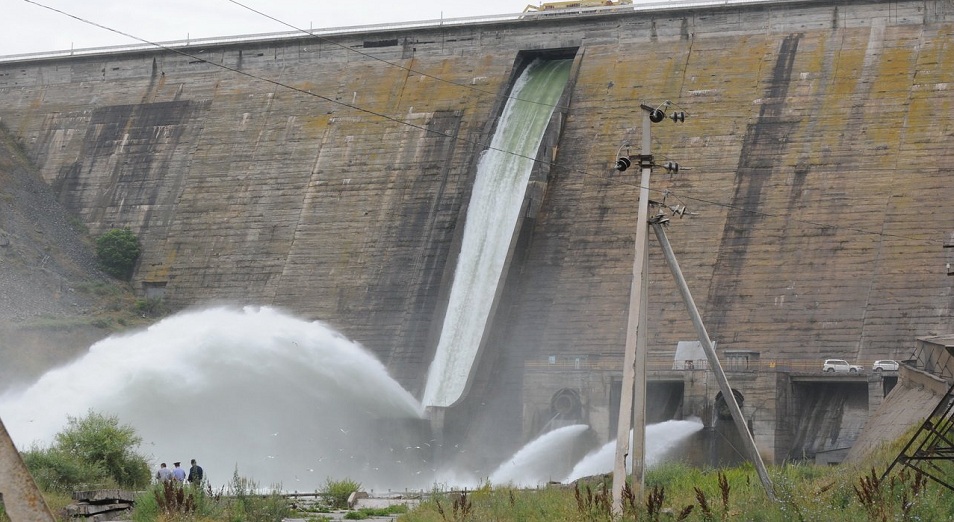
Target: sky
28,27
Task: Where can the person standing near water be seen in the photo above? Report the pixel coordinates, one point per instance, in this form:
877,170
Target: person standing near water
178,473
164,474
195,474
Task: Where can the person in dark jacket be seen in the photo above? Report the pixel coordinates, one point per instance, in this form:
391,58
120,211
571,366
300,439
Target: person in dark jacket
195,474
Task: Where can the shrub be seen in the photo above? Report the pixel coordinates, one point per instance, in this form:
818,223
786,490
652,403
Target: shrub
94,450
171,500
241,501
152,307
58,471
117,251
247,503
338,491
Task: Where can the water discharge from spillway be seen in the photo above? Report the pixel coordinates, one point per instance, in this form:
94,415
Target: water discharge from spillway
277,398
499,188
280,400
542,460
555,456
661,439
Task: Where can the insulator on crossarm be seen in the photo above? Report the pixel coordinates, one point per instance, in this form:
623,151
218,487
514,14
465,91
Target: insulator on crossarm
678,117
623,163
671,167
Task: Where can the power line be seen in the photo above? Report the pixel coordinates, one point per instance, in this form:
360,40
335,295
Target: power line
551,164
382,60
824,226
276,82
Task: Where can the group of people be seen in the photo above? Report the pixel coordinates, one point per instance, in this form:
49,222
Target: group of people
178,474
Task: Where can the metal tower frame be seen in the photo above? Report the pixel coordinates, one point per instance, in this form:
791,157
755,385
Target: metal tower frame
932,445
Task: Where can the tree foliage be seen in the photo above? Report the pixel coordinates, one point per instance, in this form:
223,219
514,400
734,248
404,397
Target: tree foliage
91,451
117,251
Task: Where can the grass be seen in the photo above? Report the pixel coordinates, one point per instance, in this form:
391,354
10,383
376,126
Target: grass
240,501
672,492
706,495
805,492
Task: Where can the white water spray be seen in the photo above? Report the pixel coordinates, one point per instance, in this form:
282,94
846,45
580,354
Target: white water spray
285,401
544,459
661,438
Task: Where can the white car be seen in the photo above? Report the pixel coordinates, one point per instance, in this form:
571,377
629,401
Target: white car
839,366
886,365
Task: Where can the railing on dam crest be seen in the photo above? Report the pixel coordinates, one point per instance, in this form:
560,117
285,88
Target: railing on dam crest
528,17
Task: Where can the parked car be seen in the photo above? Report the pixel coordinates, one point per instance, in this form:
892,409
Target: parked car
886,365
839,366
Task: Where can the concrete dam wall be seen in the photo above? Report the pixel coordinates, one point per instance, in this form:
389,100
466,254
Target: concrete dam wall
328,176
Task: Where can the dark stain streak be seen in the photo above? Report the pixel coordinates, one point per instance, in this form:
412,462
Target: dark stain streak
765,141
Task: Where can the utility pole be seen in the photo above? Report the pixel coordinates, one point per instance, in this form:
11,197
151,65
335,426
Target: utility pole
714,364
632,400
18,492
633,393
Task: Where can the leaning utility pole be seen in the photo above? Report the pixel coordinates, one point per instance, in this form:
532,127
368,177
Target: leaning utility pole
633,393
714,364
19,495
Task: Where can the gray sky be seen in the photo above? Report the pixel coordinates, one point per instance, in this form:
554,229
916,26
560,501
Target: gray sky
26,27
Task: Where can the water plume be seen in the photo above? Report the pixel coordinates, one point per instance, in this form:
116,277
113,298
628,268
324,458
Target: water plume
661,439
547,458
283,400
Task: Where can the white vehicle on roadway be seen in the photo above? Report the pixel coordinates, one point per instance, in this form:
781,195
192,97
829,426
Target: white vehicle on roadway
886,365
839,366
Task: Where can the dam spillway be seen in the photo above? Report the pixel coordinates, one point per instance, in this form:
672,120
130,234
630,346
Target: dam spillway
816,128
493,210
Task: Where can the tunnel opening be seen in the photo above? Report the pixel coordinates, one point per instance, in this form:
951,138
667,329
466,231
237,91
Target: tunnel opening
888,382
827,419
664,401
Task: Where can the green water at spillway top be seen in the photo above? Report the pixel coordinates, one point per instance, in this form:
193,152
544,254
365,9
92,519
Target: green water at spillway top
499,188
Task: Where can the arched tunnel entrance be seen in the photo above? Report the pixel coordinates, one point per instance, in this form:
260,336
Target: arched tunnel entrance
663,402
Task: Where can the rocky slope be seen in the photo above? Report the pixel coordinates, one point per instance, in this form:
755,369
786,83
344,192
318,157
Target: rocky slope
55,302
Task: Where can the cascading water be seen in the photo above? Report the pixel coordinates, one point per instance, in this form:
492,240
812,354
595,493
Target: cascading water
499,188
279,399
